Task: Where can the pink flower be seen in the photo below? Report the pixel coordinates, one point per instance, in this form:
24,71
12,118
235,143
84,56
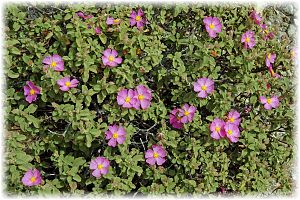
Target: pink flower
84,16
265,31
143,97
213,26
155,155
204,86
98,30
65,83
56,62
256,17
248,40
32,177
111,20
175,120
115,134
110,58
100,165
232,132
270,58
234,117
31,91
187,113
126,98
217,128
269,103
137,19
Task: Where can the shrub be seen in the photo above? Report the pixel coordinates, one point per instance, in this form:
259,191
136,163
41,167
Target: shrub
165,49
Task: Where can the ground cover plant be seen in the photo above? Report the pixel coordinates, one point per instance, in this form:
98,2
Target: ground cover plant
146,99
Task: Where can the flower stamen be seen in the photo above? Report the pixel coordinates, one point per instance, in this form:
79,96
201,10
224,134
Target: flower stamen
141,97
138,18
186,113
100,166
115,135
111,58
53,64
127,100
32,92
33,179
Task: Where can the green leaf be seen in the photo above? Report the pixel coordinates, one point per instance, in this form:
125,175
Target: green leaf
15,50
103,38
89,140
253,99
68,16
31,108
16,26
77,178
79,161
12,74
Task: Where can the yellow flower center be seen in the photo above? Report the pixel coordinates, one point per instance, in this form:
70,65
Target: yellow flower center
127,99
32,92
231,119
33,179
155,155
111,58
269,56
138,18
269,101
247,39
229,132
186,113
100,166
266,31
115,135
116,20
141,97
211,26
203,87
68,84
53,64
218,129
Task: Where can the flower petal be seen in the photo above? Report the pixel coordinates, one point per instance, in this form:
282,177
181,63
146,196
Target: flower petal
263,99
107,53
47,60
96,173
118,60
151,161
160,160
149,153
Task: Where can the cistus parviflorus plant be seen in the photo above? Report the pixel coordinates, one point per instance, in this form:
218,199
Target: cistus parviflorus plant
143,99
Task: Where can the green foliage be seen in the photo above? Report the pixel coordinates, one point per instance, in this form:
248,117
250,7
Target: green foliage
62,131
